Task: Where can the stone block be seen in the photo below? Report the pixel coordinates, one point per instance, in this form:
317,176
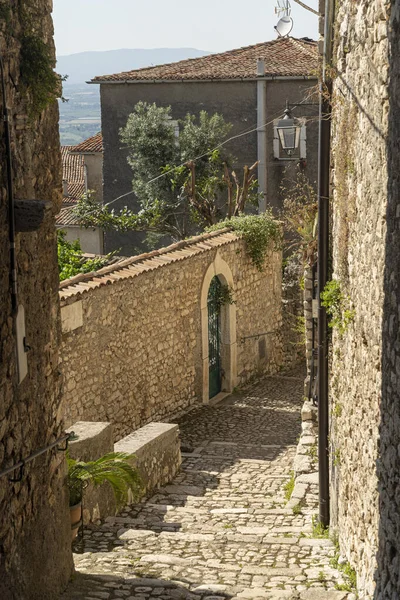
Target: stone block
93,441
318,594
157,453
302,464
71,317
309,412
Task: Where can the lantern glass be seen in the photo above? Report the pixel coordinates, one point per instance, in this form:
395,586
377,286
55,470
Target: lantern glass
289,134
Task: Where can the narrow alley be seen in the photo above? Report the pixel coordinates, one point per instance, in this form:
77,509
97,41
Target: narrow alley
221,529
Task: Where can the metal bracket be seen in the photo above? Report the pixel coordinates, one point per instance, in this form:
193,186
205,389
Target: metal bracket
70,437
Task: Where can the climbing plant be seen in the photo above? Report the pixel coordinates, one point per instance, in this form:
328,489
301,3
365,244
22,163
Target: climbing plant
260,232
337,306
37,74
223,295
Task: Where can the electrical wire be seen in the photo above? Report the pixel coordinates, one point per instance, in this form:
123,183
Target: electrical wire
234,137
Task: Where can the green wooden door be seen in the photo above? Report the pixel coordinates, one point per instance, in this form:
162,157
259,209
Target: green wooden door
214,337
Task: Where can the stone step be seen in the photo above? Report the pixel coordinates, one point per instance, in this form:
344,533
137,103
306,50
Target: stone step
141,538
310,594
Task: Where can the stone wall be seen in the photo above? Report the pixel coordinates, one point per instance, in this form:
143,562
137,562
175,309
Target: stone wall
136,350
364,385
35,552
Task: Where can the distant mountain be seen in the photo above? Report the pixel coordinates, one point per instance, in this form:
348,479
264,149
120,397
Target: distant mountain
85,65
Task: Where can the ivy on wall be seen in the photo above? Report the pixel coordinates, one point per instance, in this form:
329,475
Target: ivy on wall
37,75
260,232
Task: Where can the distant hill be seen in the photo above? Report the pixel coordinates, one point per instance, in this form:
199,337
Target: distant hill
85,65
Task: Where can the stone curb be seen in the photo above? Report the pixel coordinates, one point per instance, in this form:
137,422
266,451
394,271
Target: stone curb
303,467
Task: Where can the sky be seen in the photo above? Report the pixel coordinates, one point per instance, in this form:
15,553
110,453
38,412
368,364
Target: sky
213,25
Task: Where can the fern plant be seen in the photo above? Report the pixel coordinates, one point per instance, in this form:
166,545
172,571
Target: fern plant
114,467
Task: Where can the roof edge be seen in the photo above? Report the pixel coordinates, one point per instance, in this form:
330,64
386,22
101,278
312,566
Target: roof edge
215,80
82,277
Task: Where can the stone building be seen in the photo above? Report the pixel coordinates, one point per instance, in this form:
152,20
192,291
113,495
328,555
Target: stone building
82,171
365,363
35,538
248,86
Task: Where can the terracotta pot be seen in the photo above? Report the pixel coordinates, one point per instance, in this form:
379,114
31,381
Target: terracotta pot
76,519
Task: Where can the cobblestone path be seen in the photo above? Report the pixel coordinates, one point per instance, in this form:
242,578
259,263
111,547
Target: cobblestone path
220,530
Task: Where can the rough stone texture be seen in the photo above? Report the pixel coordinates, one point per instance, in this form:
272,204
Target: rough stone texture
365,360
157,453
35,553
94,440
138,356
221,531
388,569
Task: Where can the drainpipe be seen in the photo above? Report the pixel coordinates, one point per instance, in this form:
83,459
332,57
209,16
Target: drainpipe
323,257
262,135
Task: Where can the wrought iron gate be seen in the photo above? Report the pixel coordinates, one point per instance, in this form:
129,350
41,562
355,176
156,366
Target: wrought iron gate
214,337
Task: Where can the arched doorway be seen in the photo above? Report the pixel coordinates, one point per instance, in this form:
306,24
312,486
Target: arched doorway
218,323
214,337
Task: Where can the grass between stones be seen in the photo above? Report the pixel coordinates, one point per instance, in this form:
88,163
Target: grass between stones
289,486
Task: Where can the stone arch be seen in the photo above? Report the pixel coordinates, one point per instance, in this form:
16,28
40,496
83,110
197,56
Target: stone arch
219,268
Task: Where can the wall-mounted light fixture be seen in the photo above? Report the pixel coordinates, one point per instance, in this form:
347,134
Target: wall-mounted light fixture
289,130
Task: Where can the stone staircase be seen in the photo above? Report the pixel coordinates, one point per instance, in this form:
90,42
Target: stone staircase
220,530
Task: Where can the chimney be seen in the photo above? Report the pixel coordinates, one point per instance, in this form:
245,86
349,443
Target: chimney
260,67
65,188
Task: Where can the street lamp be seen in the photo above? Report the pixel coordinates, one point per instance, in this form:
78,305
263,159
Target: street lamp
289,130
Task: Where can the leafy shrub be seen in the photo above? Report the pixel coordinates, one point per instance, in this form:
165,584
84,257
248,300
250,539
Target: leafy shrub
70,260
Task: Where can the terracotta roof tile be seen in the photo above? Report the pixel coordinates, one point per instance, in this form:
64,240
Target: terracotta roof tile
92,145
283,57
135,265
73,172
66,215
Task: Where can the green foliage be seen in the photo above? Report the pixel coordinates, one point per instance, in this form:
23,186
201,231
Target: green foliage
260,232
223,295
70,261
172,203
313,454
319,531
336,458
349,573
112,467
37,74
297,509
300,328
337,306
338,410
183,184
289,486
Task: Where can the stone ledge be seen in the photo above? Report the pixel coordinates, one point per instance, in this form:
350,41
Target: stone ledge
93,441
157,453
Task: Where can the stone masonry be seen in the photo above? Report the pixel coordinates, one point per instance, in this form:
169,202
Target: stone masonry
135,334
35,554
365,358
223,529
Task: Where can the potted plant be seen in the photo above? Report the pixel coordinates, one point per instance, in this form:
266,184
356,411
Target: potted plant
114,467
